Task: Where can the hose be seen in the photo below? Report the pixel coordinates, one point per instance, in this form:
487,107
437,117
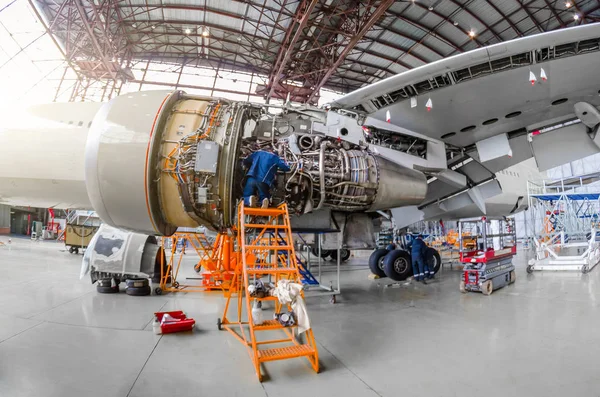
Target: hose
322,173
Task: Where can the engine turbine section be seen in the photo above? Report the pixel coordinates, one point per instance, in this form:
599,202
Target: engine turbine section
180,164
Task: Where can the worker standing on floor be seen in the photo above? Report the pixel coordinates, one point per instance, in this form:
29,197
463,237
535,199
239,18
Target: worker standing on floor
262,166
417,253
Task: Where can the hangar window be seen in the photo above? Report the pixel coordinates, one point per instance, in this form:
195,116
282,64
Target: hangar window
80,124
89,124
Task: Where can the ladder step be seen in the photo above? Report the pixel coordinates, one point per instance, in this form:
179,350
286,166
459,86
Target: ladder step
270,247
264,226
270,325
263,211
282,353
272,270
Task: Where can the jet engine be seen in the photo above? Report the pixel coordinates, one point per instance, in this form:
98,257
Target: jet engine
156,161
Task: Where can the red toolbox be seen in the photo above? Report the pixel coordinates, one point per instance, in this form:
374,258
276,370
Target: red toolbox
169,322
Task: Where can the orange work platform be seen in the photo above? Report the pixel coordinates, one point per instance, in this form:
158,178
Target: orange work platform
216,264
264,242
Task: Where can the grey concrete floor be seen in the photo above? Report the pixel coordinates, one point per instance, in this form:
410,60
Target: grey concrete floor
58,337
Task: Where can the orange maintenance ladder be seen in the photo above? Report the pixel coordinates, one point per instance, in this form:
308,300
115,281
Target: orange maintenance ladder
266,247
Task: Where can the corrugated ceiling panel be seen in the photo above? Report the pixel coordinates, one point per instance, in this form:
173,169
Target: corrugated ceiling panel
434,42
404,41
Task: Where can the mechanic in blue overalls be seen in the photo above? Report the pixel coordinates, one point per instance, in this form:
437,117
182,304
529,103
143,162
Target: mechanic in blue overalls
262,166
420,266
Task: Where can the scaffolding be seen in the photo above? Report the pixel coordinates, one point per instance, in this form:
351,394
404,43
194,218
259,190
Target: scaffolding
566,214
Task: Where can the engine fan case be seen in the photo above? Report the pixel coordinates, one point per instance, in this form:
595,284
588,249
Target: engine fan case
398,186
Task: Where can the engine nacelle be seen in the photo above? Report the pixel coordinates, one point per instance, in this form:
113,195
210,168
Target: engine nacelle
156,161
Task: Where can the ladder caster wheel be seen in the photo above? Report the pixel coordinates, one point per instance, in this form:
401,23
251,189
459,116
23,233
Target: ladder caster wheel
529,269
332,300
175,284
158,291
219,324
585,270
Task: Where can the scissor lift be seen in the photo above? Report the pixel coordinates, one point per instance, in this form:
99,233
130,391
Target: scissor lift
487,253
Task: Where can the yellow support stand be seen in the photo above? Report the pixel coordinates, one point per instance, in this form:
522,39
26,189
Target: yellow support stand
266,247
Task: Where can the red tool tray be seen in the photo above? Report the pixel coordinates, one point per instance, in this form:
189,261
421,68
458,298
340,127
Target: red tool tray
179,323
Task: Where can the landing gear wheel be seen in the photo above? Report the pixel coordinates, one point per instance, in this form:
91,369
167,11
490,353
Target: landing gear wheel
487,287
462,288
345,254
529,269
513,276
434,260
324,253
376,262
397,265
158,291
219,327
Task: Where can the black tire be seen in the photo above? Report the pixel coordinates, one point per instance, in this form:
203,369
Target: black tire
390,247
158,291
106,282
198,267
71,249
138,291
433,258
324,253
345,254
219,327
397,265
376,262
107,290
76,251
529,269
137,282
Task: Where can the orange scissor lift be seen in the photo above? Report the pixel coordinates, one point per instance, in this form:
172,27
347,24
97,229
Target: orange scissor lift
266,248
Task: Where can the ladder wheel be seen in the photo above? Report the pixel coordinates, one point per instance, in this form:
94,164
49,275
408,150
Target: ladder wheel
462,288
175,284
158,291
585,269
529,269
487,287
220,328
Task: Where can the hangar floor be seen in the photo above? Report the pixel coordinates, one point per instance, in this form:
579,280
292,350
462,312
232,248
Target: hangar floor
58,337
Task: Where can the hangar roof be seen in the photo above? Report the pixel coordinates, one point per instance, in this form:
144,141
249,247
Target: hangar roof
297,46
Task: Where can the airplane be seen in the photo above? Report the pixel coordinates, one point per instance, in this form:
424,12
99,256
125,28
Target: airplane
153,161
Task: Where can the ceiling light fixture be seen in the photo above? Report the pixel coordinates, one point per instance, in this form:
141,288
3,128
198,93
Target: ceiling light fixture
568,4
576,17
430,8
471,33
205,33
455,23
188,31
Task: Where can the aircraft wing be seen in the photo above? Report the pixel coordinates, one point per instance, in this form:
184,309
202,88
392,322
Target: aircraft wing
483,100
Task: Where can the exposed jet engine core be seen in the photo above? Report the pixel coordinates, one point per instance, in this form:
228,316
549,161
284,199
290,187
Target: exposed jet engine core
156,161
